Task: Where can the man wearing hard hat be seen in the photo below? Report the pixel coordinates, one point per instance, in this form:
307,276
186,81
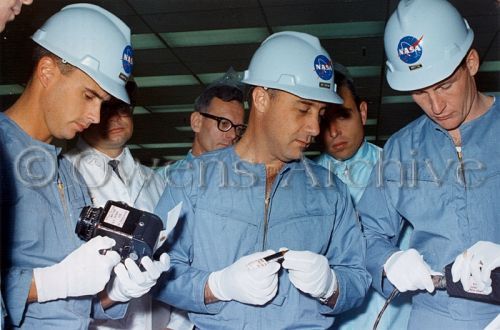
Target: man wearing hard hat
440,173
50,277
245,202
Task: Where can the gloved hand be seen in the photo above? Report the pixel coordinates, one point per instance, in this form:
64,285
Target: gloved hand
238,282
408,271
474,266
83,272
310,273
130,282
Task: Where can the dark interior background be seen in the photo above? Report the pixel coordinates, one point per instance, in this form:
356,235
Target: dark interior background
183,45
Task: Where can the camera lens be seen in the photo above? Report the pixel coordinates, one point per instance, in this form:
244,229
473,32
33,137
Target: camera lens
89,218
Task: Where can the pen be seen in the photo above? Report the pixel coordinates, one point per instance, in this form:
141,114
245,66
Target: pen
278,257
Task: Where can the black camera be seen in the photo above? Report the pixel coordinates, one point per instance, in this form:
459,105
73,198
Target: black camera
136,232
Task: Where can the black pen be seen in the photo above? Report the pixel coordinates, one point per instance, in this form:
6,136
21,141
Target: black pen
278,256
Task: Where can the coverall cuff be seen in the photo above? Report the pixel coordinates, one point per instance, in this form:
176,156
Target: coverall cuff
379,281
16,293
115,312
339,305
212,308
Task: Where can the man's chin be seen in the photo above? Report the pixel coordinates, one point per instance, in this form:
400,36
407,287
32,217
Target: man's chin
65,135
341,156
293,155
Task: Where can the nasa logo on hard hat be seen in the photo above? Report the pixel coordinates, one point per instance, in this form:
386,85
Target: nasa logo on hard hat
128,59
323,67
410,49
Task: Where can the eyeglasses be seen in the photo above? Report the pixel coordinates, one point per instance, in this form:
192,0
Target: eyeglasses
224,124
122,109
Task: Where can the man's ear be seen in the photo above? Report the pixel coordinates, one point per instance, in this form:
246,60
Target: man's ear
261,99
46,70
472,61
196,121
363,111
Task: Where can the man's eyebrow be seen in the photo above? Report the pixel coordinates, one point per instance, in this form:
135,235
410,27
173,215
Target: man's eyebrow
306,102
339,111
311,103
107,97
343,108
451,79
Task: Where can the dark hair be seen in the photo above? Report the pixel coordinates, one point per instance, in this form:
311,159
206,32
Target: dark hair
115,104
39,52
131,88
341,80
224,92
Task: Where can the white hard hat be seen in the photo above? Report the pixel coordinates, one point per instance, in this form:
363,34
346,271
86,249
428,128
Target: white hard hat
296,63
93,40
425,41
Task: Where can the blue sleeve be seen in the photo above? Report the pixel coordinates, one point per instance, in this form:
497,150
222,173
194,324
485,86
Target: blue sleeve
183,286
115,312
347,256
381,226
16,287
161,174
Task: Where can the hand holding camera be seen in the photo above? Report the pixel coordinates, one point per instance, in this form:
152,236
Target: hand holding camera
473,267
83,272
130,282
408,271
135,232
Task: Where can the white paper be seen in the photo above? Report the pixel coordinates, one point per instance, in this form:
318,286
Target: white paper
116,216
495,324
172,218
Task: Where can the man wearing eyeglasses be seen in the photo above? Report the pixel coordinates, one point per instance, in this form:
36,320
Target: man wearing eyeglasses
217,122
218,118
111,173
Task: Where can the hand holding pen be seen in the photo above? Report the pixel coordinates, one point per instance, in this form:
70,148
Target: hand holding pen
255,285
278,257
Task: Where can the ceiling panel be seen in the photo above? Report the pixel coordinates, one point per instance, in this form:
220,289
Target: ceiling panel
145,7
215,18
186,41
313,12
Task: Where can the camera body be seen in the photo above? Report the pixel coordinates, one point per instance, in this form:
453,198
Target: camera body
457,290
135,231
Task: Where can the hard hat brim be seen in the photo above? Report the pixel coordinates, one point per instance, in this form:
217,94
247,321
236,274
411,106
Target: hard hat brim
308,93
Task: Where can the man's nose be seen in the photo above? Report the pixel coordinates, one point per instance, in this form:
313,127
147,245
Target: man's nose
230,135
437,103
94,114
334,130
312,126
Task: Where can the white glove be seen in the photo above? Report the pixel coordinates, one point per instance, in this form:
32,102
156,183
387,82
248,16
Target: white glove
311,273
408,271
130,282
238,282
474,266
83,272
